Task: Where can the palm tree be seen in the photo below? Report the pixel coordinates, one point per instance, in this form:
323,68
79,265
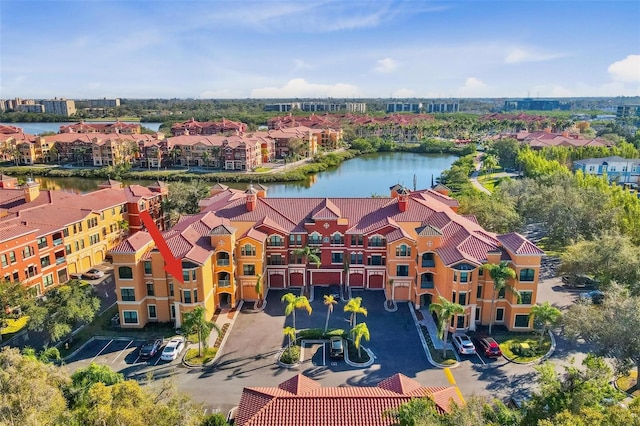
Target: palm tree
290,332
196,322
393,293
355,307
329,301
445,311
489,163
499,274
359,331
206,157
295,302
259,288
310,255
546,315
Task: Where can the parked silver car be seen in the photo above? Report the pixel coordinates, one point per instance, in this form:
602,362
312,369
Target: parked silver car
463,344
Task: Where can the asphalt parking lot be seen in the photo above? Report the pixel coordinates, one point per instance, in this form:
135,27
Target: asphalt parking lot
122,355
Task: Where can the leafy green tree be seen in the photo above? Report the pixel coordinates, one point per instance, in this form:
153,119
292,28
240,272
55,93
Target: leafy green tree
415,412
612,257
184,197
63,308
445,310
489,163
215,419
195,322
328,301
546,315
354,305
32,392
294,302
506,150
609,328
83,379
500,273
13,300
495,212
573,391
359,332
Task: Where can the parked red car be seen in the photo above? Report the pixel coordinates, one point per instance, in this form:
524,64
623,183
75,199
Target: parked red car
490,347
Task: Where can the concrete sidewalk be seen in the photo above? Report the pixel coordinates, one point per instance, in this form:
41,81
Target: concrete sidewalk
430,324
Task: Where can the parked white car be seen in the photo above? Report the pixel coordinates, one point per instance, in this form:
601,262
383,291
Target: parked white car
463,344
173,349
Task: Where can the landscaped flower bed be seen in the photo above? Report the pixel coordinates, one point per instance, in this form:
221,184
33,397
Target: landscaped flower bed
629,384
436,354
291,355
353,353
223,331
208,354
512,346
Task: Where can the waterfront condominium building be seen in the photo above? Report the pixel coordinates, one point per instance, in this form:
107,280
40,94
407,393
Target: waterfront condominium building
59,106
412,245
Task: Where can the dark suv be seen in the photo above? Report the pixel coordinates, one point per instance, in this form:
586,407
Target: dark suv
150,348
489,347
580,281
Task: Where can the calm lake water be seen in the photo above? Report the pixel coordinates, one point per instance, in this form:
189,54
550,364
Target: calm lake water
358,177
37,128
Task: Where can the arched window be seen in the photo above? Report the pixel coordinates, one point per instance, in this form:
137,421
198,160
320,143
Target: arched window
527,274
377,241
275,241
337,239
248,250
428,260
426,280
125,273
315,239
403,250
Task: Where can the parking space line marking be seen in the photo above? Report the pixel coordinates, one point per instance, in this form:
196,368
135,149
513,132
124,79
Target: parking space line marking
137,359
324,354
121,352
158,360
102,350
481,360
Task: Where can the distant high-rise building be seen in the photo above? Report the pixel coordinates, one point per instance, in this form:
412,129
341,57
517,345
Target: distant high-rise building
34,108
624,111
529,104
103,103
282,107
437,106
59,106
404,107
357,107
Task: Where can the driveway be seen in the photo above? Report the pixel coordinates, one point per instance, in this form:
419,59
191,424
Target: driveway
249,355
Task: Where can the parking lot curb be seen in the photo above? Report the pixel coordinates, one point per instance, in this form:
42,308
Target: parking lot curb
358,364
282,364
394,309
424,342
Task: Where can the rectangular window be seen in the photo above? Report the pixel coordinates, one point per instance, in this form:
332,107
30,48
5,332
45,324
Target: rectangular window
42,242
173,311
460,321
455,276
501,293
65,232
195,295
45,261
4,260
453,297
67,248
248,269
525,297
357,240
521,321
336,257
185,275
147,267
402,270
171,289
12,257
527,274
47,280
130,317
152,311
480,272
463,298
376,260
193,275
150,290
16,276
479,292
127,295
478,314
464,277
187,296
499,314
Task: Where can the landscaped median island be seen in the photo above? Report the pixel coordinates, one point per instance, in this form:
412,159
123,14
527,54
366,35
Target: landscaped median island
291,355
523,347
629,384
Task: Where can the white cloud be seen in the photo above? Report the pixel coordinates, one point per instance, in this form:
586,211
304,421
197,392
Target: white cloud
299,64
404,93
385,66
627,70
517,55
300,88
473,87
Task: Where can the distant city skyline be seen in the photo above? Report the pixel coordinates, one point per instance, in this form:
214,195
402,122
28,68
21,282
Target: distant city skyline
300,49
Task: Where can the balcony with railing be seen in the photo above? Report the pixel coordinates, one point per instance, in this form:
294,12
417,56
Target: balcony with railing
224,283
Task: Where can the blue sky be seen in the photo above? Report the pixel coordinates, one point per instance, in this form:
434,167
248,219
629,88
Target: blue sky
275,49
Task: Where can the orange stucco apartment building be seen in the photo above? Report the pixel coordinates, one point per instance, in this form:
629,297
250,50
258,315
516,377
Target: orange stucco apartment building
413,245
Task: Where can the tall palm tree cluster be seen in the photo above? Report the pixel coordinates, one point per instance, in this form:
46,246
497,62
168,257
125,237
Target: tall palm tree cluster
353,306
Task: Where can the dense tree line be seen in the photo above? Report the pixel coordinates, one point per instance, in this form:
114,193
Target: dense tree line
36,393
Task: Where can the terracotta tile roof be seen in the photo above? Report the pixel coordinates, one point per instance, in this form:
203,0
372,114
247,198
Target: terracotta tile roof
518,244
301,401
11,230
463,239
136,242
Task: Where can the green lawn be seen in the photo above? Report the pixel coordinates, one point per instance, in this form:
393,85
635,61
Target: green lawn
261,169
510,346
207,355
14,326
488,181
629,384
